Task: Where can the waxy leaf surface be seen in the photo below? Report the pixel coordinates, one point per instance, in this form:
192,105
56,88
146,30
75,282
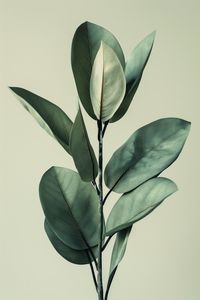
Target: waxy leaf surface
79,257
48,115
118,252
133,71
147,152
82,151
85,45
107,83
135,205
71,207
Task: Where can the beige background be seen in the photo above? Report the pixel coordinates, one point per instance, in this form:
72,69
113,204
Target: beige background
162,260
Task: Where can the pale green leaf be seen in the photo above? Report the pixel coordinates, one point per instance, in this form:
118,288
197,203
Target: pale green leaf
85,45
107,83
118,252
135,205
133,71
48,115
147,152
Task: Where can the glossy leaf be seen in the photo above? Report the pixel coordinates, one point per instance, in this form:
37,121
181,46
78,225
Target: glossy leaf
82,151
85,45
107,83
79,257
135,205
48,115
147,152
71,207
133,71
118,252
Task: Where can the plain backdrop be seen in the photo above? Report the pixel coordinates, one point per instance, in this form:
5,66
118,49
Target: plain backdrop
162,261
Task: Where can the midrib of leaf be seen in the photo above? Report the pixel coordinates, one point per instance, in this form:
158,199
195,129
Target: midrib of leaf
102,85
130,221
151,149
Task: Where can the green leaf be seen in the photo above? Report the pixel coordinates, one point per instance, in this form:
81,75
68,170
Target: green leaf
107,83
135,205
118,252
79,257
48,115
71,207
147,152
85,45
133,71
82,151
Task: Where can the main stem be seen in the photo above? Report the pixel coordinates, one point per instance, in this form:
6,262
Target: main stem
101,217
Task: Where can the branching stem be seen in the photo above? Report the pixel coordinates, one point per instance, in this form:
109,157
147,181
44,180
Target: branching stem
106,243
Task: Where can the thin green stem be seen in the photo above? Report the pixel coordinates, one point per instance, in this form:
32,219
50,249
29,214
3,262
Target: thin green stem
101,216
106,196
91,253
106,243
109,284
92,270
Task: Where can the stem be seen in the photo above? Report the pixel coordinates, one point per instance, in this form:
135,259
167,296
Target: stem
105,126
91,253
109,284
106,243
101,216
109,192
92,270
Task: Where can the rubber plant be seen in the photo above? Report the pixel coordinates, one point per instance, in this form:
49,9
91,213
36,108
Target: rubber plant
73,202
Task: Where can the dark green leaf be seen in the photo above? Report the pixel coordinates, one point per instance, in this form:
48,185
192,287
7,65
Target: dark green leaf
133,71
135,205
82,151
79,257
48,115
147,152
85,44
71,207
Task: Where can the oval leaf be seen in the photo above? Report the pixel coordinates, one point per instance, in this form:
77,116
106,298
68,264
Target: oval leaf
118,252
82,151
133,71
79,257
71,207
135,205
147,152
85,45
48,115
107,83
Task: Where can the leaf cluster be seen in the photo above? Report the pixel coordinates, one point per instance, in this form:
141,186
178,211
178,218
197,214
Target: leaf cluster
106,85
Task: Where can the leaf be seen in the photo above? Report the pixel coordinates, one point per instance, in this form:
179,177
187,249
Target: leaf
133,71
82,151
85,45
135,205
71,207
79,257
107,83
147,152
118,253
48,115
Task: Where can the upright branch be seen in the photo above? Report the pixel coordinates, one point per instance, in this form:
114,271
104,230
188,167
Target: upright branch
101,216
